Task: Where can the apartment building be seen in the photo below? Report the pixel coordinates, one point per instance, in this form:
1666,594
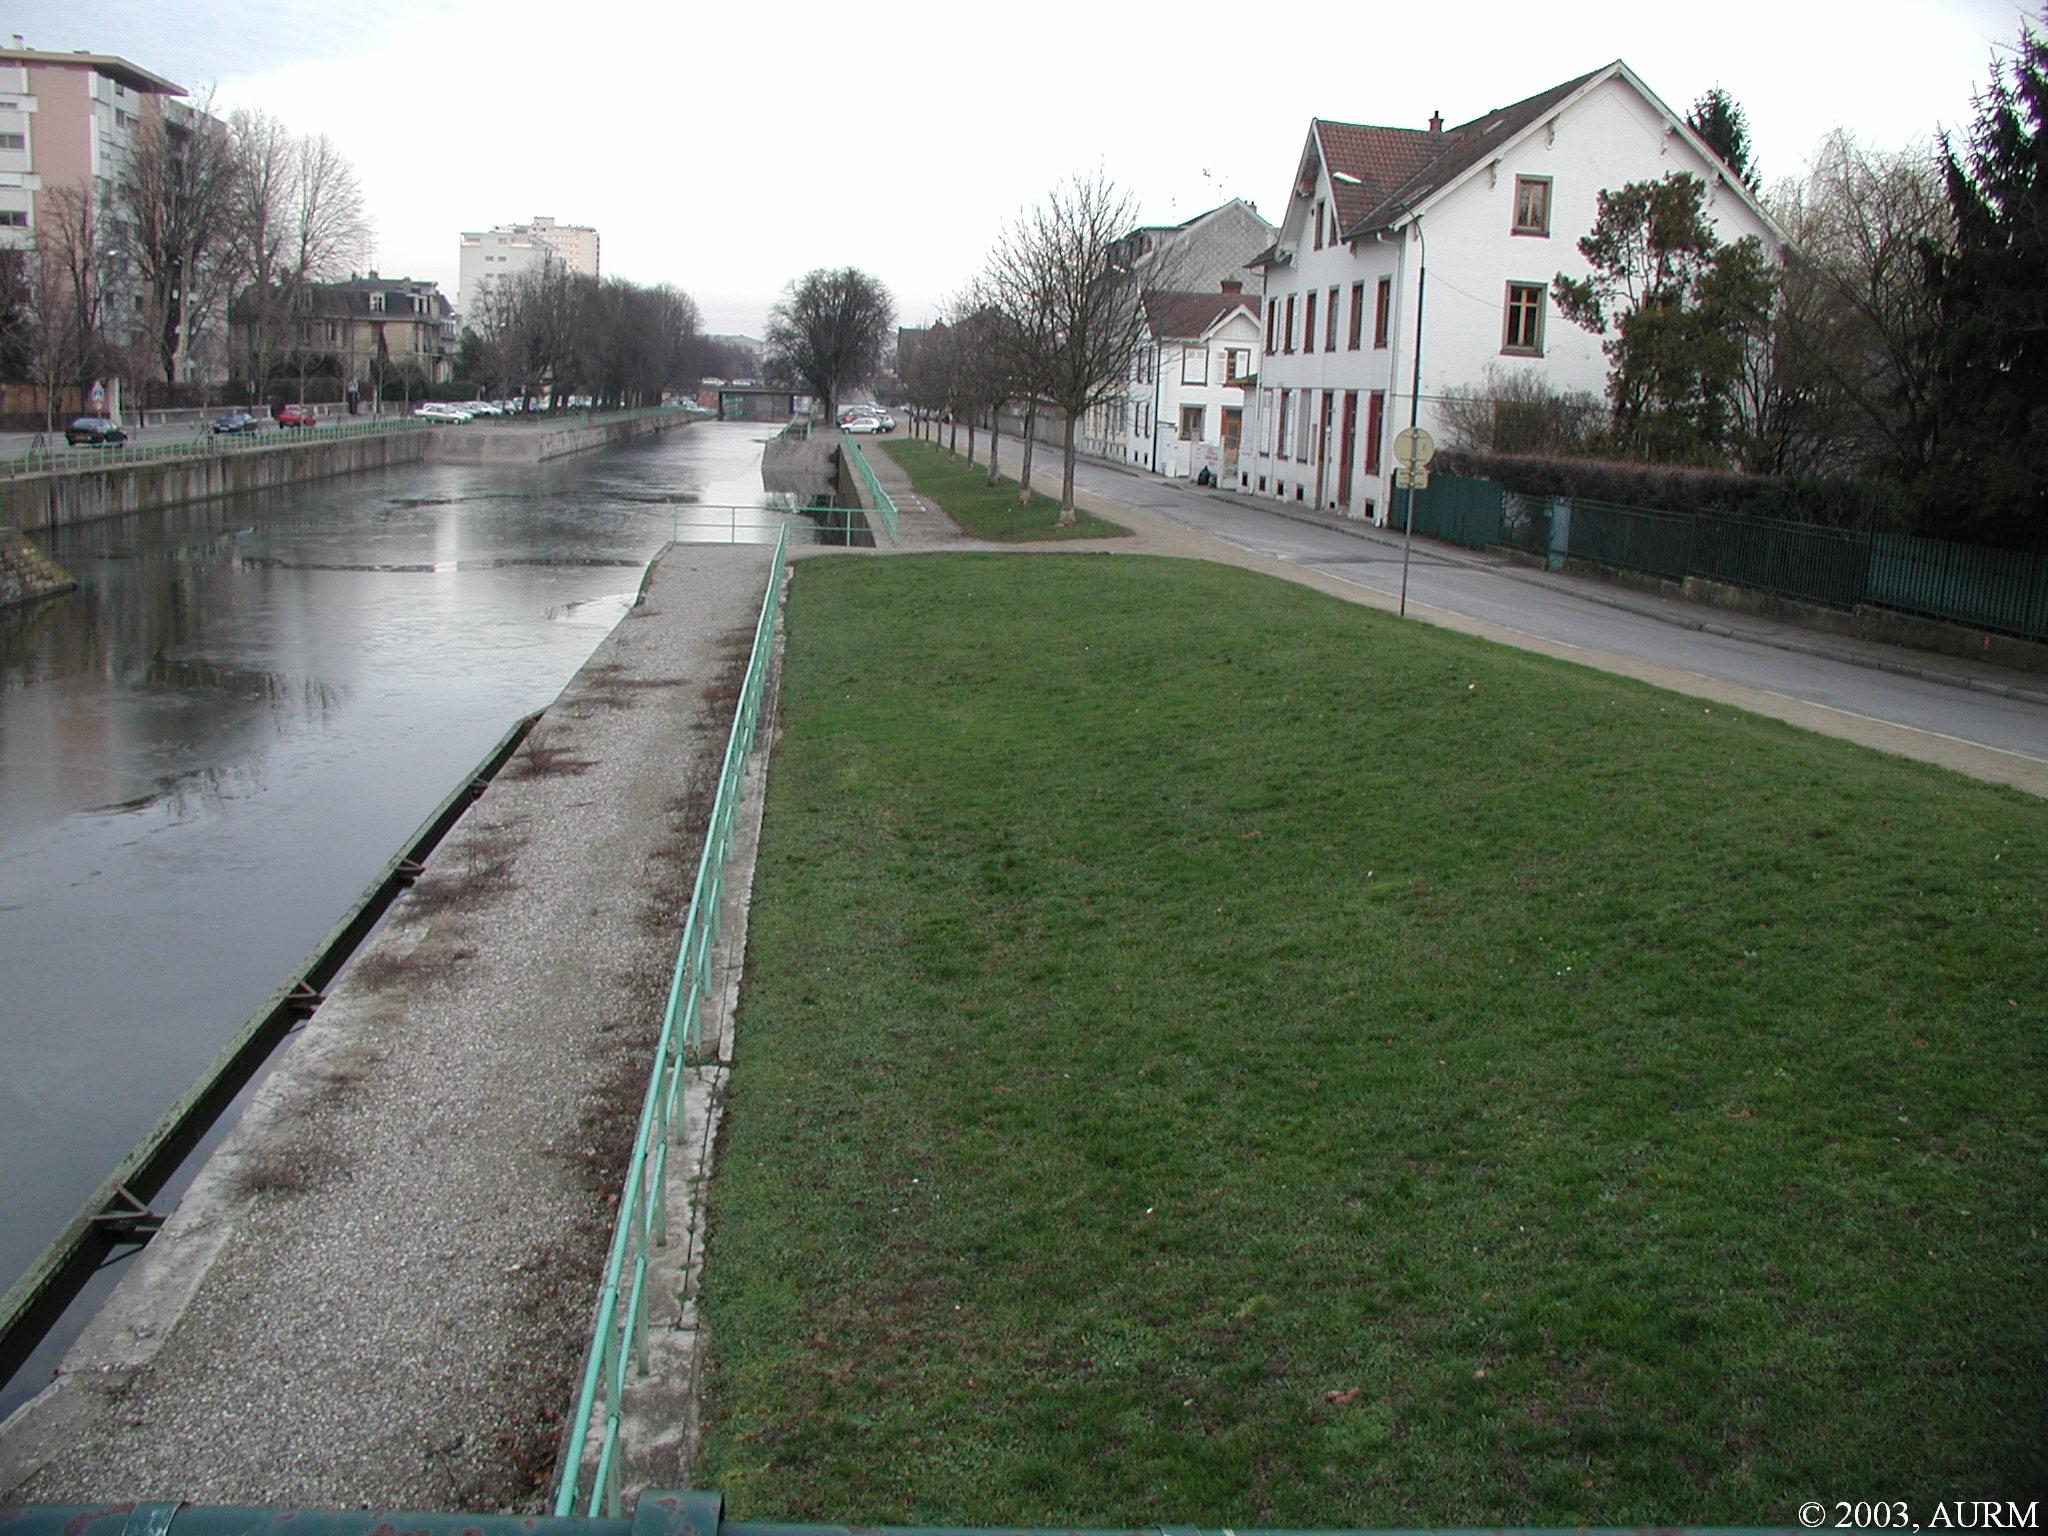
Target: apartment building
66,120
493,255
1496,206
366,330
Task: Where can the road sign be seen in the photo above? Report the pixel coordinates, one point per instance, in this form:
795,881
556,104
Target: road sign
99,393
1404,477
1412,445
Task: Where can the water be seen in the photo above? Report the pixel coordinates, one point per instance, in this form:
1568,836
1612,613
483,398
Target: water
212,748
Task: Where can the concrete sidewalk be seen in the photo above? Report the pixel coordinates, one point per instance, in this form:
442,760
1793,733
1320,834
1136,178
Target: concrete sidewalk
379,1290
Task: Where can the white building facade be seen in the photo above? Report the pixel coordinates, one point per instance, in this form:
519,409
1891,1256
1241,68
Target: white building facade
490,256
1494,209
1183,407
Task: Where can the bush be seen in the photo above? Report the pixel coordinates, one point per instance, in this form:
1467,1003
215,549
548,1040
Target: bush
1833,503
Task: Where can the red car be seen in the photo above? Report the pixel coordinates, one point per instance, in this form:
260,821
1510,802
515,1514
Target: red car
297,416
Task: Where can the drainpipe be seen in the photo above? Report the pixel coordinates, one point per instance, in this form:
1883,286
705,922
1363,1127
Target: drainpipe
1158,368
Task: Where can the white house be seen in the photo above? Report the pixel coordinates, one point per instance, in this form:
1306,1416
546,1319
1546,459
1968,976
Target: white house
1183,409
1494,210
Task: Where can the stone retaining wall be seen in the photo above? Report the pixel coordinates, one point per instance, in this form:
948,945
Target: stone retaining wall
26,573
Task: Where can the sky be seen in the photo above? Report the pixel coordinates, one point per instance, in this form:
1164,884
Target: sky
729,148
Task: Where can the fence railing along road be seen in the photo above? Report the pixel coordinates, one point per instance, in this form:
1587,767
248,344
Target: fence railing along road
1997,589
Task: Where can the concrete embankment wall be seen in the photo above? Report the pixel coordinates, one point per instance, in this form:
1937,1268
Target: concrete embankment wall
60,497
493,443
26,573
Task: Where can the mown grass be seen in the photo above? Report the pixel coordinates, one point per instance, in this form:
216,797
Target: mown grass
956,485
1215,1054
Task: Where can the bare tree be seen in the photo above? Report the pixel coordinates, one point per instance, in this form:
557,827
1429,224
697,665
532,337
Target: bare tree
829,331
1513,410
260,229
1080,313
79,263
1857,325
178,195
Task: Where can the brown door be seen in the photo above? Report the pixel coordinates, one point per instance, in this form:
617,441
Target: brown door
1346,444
1323,443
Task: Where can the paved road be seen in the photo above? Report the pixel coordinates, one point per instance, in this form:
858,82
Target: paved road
1566,615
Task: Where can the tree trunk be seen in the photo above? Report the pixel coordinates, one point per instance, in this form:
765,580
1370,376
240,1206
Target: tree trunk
995,440
970,439
953,443
1024,462
1067,474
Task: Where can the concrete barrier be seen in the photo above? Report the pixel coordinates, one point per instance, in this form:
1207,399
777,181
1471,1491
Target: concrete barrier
489,442
57,498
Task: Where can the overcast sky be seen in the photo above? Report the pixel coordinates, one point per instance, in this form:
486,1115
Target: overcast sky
729,147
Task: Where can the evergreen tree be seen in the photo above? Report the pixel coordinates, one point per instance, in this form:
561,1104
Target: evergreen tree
1991,291
1720,120
1676,309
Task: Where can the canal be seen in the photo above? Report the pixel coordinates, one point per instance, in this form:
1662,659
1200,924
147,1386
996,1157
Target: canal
210,749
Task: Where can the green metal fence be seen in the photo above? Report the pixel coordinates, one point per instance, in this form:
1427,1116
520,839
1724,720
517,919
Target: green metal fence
678,1513
2000,589
878,499
2005,590
206,446
621,1319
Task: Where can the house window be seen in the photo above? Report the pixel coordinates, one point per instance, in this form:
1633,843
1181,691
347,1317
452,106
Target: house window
1308,323
1319,226
376,303
1305,427
13,141
1265,424
13,218
1287,341
1523,332
1330,324
1286,417
1194,366
1234,359
1382,304
1532,205
1144,417
1191,423
1272,323
1375,424
1357,315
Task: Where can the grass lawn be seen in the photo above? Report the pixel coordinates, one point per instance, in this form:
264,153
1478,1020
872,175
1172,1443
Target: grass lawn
1215,1054
991,512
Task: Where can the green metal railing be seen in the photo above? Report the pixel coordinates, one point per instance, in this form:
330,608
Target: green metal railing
679,1513
2005,590
621,1319
206,446
878,499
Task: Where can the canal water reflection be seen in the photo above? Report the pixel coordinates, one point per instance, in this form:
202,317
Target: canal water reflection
211,748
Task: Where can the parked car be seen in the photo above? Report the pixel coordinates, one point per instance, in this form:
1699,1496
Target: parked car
297,416
236,422
482,407
860,424
94,431
441,410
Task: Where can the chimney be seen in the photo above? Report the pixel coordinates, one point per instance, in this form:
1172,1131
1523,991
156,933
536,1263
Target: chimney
1436,122
1232,285
18,43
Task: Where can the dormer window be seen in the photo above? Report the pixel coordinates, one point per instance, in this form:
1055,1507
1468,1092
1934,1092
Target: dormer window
1532,205
376,303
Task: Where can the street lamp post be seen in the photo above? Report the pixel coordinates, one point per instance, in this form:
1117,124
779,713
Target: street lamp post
1414,405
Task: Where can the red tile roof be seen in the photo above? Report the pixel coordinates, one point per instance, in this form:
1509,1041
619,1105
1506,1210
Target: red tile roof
1378,173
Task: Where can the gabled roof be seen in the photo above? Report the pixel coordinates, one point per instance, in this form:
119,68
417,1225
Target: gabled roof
1379,173
1178,316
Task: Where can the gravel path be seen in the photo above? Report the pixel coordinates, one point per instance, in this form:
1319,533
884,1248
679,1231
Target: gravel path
429,1175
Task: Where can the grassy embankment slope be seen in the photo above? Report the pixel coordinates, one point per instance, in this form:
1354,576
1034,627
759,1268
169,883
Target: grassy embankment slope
992,512
1212,1053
